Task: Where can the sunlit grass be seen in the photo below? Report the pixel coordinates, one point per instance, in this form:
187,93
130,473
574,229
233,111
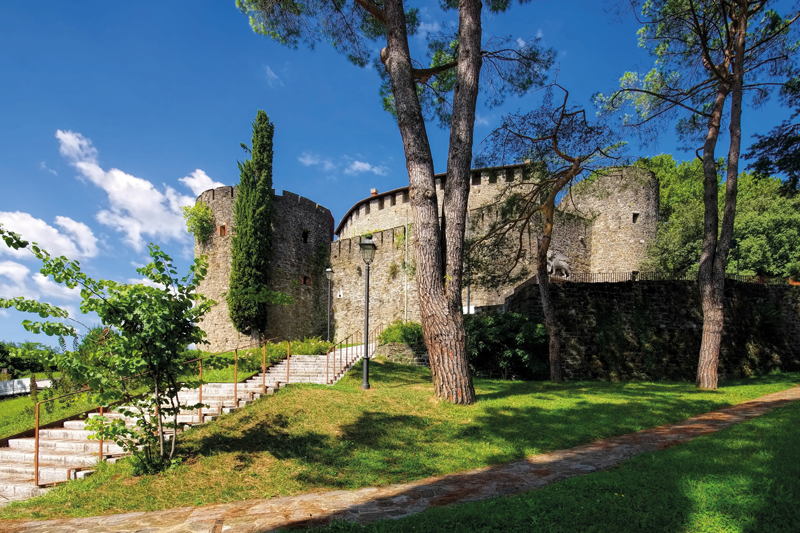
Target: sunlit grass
313,437
17,414
743,479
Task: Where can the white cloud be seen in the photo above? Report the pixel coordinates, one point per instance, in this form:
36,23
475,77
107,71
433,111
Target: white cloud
16,280
521,42
198,181
44,166
480,120
75,242
136,207
427,27
309,159
539,33
357,167
272,78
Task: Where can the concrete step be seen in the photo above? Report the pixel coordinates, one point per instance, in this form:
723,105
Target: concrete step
65,434
49,457
19,489
64,446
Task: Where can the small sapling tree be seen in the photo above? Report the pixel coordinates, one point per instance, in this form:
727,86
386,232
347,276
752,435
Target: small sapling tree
141,359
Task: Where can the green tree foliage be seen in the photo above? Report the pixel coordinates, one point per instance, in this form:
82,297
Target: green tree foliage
199,221
152,326
767,229
251,247
778,152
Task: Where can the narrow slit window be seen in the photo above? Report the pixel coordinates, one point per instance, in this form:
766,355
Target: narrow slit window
405,197
366,209
222,230
393,200
476,179
509,175
380,203
635,217
492,178
305,235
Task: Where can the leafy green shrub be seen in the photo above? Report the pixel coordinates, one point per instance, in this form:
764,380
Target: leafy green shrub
507,346
403,332
199,221
793,270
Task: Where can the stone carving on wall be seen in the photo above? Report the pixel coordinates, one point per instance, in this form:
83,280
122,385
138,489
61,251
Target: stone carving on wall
557,264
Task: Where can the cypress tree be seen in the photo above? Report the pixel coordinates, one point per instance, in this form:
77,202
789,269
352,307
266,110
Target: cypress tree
251,245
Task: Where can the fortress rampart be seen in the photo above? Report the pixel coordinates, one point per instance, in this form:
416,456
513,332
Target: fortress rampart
604,225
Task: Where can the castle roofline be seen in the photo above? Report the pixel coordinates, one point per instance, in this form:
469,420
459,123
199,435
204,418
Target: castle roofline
441,176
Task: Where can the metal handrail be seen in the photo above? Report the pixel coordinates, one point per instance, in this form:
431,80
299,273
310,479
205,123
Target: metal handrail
348,357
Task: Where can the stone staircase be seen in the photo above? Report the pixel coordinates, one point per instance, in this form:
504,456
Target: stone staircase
67,453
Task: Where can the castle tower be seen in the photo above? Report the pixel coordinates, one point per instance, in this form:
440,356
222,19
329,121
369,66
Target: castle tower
303,231
622,204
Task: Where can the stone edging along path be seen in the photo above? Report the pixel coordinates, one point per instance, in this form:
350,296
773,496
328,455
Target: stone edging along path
392,501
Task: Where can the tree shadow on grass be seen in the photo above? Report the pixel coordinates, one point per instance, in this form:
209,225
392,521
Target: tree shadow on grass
745,478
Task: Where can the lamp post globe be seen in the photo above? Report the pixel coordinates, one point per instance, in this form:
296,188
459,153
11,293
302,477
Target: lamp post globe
368,255
329,275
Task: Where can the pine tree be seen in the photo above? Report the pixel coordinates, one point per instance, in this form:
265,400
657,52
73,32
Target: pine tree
251,246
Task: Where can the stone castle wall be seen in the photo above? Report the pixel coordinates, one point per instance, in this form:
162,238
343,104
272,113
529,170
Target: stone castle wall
623,208
303,231
393,287
393,209
594,228
652,329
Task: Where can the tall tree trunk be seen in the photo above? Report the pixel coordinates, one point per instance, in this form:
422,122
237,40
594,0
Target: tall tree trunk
439,299
711,285
714,259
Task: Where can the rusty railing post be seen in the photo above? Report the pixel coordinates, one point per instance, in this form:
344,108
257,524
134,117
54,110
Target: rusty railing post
200,401
288,356
36,449
264,370
100,456
328,364
235,377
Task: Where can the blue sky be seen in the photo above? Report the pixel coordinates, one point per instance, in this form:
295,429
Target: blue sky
115,114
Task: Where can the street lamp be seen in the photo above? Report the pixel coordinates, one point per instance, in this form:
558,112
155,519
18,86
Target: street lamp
368,254
329,275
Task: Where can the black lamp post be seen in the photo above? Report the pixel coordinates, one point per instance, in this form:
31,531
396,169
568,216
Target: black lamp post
368,254
329,275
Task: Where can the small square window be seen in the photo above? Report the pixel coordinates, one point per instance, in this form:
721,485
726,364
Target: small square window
222,230
635,217
306,280
510,175
393,200
405,197
492,178
380,203
476,178
366,208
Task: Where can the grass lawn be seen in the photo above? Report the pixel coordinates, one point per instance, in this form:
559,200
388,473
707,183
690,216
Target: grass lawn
743,479
17,414
312,437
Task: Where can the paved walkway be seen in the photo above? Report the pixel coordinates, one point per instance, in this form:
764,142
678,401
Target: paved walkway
371,504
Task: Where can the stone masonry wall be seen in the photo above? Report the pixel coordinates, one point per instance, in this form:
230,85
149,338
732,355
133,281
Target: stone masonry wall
393,288
652,329
393,209
623,207
303,231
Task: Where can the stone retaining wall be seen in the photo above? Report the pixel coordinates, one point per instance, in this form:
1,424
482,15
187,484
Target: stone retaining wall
652,329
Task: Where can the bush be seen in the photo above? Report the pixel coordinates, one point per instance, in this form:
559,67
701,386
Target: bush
793,270
24,358
507,346
199,221
402,332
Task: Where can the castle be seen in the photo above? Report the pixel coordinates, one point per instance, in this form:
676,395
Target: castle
604,225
